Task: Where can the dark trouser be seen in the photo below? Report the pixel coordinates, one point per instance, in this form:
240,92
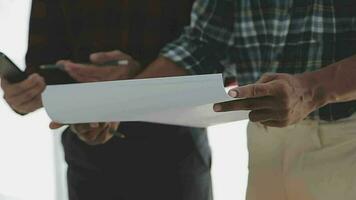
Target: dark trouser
154,162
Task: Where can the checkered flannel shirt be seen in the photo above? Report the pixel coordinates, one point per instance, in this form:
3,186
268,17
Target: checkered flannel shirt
246,38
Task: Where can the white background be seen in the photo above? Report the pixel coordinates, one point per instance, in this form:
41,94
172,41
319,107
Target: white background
31,166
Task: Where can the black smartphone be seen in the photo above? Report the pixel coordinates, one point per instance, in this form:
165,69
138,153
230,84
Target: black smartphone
10,71
13,74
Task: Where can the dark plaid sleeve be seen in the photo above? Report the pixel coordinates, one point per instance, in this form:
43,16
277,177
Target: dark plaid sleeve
47,35
205,41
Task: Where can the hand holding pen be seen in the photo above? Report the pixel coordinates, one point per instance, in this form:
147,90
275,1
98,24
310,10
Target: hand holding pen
104,66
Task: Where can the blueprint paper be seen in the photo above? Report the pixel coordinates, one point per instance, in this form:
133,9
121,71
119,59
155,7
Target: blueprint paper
186,101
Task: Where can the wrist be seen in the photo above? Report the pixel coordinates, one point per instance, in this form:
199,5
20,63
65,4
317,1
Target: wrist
314,92
316,89
162,67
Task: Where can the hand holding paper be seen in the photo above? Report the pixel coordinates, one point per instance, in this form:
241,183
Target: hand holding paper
276,100
93,133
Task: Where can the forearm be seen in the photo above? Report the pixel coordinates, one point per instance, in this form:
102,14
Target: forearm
162,67
335,83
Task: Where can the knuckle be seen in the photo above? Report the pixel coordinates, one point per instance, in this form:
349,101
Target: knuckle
265,76
279,76
283,115
42,83
117,52
254,90
283,90
258,90
285,103
29,95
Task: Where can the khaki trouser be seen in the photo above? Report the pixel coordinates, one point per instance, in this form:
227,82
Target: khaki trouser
312,160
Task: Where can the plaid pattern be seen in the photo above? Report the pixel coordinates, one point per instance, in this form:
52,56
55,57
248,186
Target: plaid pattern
246,38
66,29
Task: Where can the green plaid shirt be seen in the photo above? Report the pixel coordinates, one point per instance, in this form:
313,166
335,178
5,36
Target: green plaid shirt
246,38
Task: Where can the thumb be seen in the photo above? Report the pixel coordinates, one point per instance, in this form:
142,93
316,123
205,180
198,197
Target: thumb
268,77
55,125
102,57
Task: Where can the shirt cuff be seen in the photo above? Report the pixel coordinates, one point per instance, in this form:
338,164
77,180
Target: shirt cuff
180,56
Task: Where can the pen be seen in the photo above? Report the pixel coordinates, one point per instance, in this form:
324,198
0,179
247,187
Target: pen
110,63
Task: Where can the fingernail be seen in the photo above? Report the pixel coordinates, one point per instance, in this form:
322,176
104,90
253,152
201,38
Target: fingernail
233,93
217,107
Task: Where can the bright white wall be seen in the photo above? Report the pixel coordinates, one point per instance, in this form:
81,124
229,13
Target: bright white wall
26,144
230,160
27,155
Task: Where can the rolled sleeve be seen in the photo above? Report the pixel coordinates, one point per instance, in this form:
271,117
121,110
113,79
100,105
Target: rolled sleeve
203,44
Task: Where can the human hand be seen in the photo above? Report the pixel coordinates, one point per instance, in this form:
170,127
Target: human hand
92,133
94,73
276,100
24,97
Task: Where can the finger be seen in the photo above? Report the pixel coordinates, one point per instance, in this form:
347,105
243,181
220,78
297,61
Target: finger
251,91
82,78
85,127
27,96
62,62
70,66
55,125
264,115
114,126
94,125
277,124
18,88
89,71
31,105
93,134
104,136
99,73
80,128
245,104
267,77
103,57
82,72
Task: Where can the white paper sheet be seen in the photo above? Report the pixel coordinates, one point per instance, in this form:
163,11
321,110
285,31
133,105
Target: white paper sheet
186,101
